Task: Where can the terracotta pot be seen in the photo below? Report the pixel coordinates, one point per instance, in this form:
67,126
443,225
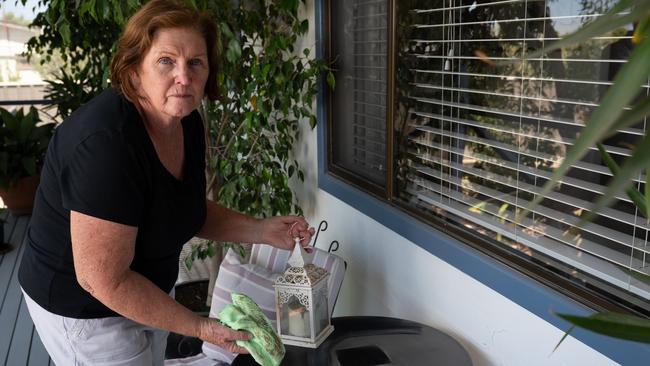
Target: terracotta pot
19,198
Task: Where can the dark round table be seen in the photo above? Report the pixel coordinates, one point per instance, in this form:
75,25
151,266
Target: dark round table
370,340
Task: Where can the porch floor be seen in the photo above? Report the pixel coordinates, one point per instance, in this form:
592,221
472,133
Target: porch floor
19,342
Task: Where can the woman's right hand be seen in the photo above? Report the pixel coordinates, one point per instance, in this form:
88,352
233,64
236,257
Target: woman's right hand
211,331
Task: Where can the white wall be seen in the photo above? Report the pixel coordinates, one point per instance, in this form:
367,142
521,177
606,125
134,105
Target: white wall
391,276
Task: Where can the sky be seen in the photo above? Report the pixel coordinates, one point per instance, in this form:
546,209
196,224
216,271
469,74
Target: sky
19,10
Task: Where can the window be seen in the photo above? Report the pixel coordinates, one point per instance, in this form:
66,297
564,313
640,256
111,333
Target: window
418,119
360,43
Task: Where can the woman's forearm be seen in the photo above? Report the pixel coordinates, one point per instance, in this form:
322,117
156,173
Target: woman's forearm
103,251
223,224
137,298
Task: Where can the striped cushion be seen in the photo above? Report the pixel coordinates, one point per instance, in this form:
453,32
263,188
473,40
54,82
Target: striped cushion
248,278
256,279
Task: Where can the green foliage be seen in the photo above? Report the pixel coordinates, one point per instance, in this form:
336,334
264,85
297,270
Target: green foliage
202,250
616,325
24,143
83,33
206,249
267,88
69,90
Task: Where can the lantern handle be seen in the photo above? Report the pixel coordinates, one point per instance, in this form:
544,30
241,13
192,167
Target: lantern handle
322,224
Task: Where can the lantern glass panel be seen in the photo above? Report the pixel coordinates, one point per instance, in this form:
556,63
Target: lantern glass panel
294,320
321,317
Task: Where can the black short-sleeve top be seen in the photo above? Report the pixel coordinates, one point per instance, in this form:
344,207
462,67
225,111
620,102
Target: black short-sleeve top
101,162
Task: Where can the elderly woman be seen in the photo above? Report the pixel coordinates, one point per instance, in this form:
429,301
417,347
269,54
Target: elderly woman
123,187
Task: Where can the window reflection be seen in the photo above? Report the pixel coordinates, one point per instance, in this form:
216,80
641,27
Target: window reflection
476,142
359,52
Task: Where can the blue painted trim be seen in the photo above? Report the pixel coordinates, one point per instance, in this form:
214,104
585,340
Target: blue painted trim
524,291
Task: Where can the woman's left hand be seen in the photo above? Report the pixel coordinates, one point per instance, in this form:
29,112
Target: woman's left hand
279,231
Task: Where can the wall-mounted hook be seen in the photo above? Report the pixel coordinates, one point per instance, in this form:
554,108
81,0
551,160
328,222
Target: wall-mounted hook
321,227
332,247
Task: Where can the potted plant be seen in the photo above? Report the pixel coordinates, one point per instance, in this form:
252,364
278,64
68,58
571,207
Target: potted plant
24,142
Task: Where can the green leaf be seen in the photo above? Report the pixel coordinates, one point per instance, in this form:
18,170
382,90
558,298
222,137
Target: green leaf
64,30
620,94
265,71
106,10
86,6
641,29
631,117
133,4
621,326
304,27
210,250
647,193
566,334
51,13
631,167
119,16
226,30
248,120
7,117
631,192
331,81
230,55
188,262
32,116
235,47
241,250
290,5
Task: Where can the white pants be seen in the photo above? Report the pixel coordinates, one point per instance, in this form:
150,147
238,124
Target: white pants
103,341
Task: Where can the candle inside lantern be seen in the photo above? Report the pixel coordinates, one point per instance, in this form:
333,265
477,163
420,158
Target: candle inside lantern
298,320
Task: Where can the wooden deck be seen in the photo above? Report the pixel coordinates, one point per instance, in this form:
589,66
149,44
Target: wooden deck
19,342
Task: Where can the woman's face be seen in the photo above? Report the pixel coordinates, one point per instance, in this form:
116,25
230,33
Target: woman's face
171,78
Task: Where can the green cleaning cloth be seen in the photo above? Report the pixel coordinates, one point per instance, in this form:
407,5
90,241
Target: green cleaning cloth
244,314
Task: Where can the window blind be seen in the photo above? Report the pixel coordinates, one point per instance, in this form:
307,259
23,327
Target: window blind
359,105
479,142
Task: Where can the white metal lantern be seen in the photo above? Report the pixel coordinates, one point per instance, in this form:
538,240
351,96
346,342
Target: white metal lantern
301,302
